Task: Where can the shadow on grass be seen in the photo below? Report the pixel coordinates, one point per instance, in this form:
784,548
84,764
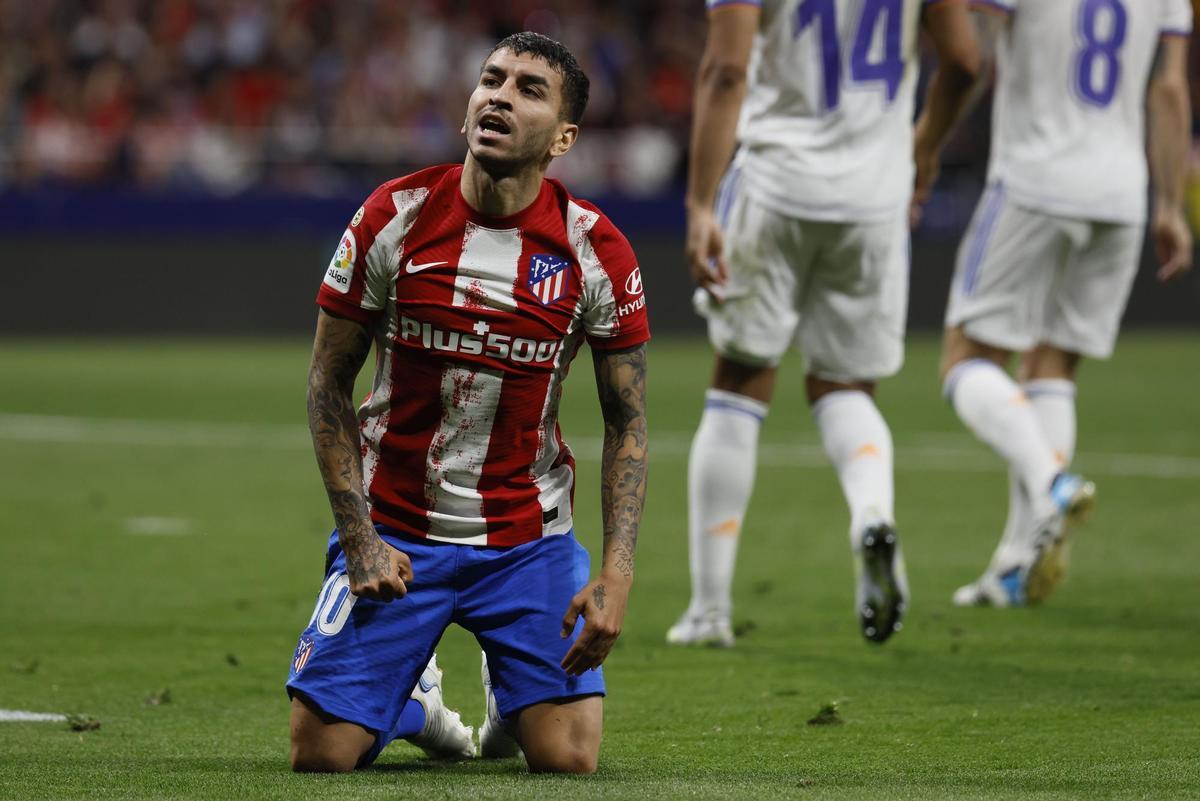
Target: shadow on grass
433,767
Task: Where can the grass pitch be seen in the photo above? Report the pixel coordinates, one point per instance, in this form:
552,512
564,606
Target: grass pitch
162,547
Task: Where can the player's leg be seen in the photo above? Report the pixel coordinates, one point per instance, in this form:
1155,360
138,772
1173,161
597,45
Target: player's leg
1047,376
1083,318
851,331
749,331
992,405
1047,379
513,601
721,471
363,673
562,736
1004,276
323,743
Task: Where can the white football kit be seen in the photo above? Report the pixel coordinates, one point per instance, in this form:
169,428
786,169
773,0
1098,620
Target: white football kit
814,206
1056,240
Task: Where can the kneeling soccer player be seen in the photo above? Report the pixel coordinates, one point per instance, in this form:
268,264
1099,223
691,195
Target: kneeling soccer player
452,487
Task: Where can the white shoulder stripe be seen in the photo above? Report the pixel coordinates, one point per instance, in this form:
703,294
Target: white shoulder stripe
383,259
597,303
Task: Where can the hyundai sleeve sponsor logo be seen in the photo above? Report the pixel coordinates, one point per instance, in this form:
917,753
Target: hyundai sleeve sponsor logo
625,309
633,284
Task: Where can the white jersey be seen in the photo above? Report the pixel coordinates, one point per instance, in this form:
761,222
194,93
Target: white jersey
1069,112
826,127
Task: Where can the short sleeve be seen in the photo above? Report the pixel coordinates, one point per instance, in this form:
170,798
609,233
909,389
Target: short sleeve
347,290
360,277
1176,18
614,300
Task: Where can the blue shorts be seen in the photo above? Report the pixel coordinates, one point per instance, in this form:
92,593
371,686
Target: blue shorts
360,659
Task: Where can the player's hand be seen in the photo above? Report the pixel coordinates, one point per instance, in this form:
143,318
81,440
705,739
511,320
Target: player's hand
929,165
704,249
378,571
602,603
1172,244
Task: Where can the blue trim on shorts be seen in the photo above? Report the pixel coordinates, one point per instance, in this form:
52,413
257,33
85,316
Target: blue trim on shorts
727,193
991,208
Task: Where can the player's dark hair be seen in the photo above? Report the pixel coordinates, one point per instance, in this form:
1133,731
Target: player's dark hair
575,83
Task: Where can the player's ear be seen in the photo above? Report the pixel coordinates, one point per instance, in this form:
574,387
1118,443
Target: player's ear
567,133
463,130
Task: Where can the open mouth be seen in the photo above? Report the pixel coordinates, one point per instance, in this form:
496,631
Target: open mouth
493,124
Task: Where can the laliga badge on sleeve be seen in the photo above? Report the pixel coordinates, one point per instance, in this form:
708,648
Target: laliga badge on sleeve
342,265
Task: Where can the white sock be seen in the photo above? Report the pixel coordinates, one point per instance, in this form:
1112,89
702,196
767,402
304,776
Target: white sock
720,479
1016,527
859,443
1053,401
997,411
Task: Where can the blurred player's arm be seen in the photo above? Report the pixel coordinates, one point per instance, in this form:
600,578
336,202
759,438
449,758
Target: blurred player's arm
720,89
621,384
1170,119
965,43
376,570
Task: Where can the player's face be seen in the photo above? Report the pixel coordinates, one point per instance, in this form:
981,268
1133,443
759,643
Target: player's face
514,115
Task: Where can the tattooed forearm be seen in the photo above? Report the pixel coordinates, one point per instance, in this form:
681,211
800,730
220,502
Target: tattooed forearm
352,517
339,351
621,382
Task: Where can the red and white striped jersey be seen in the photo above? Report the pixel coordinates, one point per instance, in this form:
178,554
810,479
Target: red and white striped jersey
476,322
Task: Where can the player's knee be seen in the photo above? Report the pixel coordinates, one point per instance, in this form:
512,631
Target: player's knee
308,757
563,759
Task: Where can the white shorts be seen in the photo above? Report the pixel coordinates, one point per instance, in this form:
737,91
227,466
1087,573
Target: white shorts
1025,278
838,291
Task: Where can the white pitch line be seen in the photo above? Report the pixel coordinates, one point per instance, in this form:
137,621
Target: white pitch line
158,526
21,716
932,451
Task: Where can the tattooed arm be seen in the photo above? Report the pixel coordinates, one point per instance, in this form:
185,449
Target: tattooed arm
621,382
376,570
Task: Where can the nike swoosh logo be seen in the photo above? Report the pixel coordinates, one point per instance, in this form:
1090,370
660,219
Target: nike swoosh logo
416,268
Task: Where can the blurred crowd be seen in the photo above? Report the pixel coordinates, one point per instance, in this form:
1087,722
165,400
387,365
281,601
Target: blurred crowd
316,95
320,97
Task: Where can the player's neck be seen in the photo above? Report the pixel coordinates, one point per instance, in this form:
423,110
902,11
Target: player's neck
499,196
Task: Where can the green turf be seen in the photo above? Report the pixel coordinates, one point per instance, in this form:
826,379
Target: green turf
1095,695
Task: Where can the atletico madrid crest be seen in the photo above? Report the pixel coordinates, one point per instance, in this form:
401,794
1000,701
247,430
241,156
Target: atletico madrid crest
547,277
303,652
